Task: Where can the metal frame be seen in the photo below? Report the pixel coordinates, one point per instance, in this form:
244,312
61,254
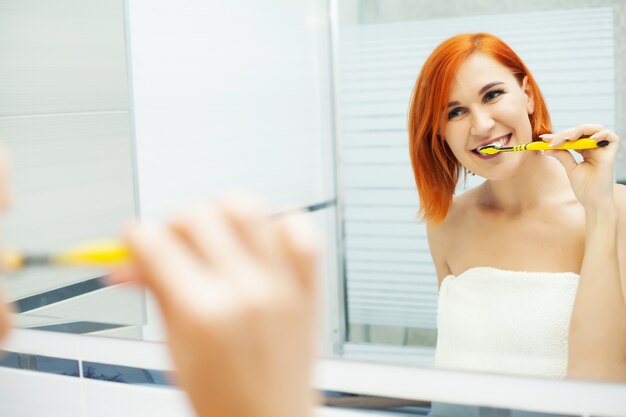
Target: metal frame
575,397
342,311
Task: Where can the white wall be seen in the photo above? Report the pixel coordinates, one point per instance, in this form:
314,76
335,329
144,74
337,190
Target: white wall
65,119
232,95
228,95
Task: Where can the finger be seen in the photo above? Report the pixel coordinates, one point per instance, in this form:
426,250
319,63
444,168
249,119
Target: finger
565,158
605,135
587,130
575,133
163,264
556,138
210,234
123,275
256,230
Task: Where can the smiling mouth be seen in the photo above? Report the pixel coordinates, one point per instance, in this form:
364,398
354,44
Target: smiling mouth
500,143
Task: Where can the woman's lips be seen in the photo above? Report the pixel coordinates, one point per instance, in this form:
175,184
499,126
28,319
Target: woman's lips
482,156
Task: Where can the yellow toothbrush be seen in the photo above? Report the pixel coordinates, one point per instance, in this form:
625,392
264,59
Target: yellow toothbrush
96,253
583,143
103,253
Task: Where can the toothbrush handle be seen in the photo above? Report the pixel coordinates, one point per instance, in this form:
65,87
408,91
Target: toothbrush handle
582,143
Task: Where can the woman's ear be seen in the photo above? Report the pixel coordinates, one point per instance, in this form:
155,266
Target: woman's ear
530,99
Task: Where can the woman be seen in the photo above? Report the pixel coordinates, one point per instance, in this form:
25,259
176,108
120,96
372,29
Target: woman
531,263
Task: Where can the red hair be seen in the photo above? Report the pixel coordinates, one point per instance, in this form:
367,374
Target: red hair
435,168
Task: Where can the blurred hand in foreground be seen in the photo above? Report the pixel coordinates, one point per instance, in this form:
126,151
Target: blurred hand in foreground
237,293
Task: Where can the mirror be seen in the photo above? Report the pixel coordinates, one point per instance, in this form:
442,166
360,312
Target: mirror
209,115
66,121
205,115
391,282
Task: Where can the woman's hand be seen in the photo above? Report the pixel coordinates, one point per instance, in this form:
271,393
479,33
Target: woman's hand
237,294
593,179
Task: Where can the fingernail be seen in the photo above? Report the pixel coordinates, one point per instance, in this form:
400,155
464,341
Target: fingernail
567,137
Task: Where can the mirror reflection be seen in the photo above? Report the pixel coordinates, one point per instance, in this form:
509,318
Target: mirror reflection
490,280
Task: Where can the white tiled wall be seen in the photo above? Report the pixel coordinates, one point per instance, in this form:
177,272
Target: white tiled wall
65,119
32,394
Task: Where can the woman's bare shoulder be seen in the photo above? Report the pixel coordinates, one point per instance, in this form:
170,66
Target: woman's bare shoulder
440,233
459,209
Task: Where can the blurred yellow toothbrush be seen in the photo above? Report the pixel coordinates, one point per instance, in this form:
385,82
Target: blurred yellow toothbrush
96,253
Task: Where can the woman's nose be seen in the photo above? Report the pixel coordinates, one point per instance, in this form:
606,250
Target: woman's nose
482,122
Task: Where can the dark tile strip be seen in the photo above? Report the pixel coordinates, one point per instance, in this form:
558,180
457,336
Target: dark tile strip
126,374
60,294
78,327
39,363
91,370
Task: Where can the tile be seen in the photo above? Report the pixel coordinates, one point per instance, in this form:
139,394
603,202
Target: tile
69,56
59,294
126,374
136,354
39,363
28,394
80,168
105,399
42,343
118,305
78,327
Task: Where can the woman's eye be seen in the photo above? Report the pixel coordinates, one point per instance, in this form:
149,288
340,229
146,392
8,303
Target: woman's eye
456,112
492,95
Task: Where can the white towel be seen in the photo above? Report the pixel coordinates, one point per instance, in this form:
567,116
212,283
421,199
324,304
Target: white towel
511,322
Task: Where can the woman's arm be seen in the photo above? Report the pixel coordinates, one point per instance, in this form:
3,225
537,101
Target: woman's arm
597,335
620,203
436,245
597,338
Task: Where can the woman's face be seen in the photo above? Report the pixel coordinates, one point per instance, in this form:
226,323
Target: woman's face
487,106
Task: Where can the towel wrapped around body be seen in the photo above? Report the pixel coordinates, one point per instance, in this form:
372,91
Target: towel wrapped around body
511,322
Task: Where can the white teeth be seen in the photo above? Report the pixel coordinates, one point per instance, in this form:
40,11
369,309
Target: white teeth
499,142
